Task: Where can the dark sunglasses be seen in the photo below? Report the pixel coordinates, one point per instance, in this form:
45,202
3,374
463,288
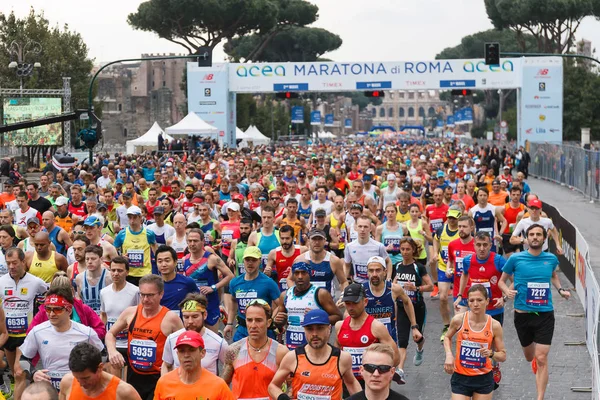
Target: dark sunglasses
371,368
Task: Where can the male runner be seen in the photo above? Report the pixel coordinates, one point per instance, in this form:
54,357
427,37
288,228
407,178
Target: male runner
244,289
88,380
238,246
300,299
458,249
162,231
355,333
93,231
535,217
80,242
532,272
58,236
358,252
511,211
148,325
337,222
194,310
177,286
42,262
204,268
488,218
281,258
24,211
267,238
114,299
328,366
178,241
251,363
93,279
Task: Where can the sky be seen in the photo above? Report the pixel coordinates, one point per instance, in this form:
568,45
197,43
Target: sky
375,30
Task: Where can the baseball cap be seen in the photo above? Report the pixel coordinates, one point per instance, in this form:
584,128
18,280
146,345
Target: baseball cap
454,213
158,210
301,266
354,293
129,195
134,210
190,338
391,177
197,200
477,162
506,167
33,220
370,171
252,252
378,158
316,317
320,212
496,182
102,205
233,206
302,174
61,201
378,260
315,232
120,182
237,196
440,174
93,220
535,203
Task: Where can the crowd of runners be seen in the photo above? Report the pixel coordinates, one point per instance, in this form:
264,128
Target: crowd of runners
273,272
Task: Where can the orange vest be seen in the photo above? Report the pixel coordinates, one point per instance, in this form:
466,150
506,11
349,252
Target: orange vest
110,393
251,379
469,361
64,222
324,379
146,342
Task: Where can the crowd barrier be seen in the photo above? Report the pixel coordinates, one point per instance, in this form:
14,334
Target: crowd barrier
569,165
575,264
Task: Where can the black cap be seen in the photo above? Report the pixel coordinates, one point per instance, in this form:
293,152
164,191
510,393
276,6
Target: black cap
320,212
158,210
314,232
354,293
127,194
302,174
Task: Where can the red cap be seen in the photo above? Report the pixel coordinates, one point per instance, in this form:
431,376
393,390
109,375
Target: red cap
237,196
197,200
535,203
190,338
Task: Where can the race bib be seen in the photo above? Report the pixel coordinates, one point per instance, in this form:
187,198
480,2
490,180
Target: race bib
395,242
357,355
436,224
538,294
294,335
243,299
459,266
360,270
470,354
136,258
16,323
142,354
241,268
180,269
121,336
56,377
412,295
488,230
283,286
444,254
343,235
263,261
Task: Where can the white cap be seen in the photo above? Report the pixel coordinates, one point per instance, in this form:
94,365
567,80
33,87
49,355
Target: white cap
134,210
370,171
391,177
61,201
233,206
169,164
378,260
283,163
212,166
477,162
423,157
378,158
208,177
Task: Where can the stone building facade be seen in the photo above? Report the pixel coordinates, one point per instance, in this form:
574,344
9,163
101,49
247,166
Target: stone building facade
408,107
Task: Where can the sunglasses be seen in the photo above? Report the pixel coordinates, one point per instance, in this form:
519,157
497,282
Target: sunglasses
275,198
55,310
382,369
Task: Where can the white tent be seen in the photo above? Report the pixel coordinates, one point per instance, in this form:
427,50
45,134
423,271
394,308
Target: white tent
254,136
192,125
148,141
240,134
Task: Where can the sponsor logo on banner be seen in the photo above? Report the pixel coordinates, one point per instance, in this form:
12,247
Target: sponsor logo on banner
542,86
554,130
264,71
543,74
541,97
470,66
540,130
529,131
533,106
208,77
552,106
542,117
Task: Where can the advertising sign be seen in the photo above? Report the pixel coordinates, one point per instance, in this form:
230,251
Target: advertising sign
26,108
208,94
297,115
328,119
404,75
542,100
348,123
450,121
467,115
315,118
458,117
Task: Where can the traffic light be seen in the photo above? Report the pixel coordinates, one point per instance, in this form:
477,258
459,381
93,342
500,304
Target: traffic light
287,95
492,54
375,93
461,92
204,57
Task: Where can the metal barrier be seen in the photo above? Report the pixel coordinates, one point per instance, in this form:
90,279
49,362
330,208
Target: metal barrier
572,166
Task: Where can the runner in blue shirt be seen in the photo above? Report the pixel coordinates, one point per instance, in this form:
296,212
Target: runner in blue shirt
533,271
247,288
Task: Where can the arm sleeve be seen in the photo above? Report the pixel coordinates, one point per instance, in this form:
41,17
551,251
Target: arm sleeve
499,262
274,291
509,267
151,237
518,229
95,340
120,238
192,287
29,348
168,352
347,257
382,251
467,264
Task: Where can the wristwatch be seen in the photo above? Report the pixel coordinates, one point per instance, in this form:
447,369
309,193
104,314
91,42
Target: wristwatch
213,287
505,298
414,327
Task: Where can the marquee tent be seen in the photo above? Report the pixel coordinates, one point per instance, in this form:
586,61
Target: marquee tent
192,125
253,135
148,141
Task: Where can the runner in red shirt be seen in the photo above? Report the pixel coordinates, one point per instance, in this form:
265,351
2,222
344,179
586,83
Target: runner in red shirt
436,212
281,258
457,251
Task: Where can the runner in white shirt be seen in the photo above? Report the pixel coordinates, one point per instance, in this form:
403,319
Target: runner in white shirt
24,212
18,290
114,299
358,252
178,241
53,340
161,230
193,308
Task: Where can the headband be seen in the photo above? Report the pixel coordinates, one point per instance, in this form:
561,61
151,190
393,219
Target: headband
193,306
58,301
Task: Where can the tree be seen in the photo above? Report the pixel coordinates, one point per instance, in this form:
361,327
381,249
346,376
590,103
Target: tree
64,53
553,23
581,101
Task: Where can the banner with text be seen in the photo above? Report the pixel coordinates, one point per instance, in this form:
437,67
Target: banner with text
315,118
297,115
328,119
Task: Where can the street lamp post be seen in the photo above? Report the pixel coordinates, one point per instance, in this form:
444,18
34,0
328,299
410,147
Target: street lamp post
19,53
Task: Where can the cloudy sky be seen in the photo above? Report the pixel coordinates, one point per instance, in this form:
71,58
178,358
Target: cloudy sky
375,30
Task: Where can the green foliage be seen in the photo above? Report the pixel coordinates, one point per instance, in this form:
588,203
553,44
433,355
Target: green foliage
552,23
581,101
472,46
63,54
293,44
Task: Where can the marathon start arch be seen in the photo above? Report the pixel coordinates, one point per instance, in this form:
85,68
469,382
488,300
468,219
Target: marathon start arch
538,81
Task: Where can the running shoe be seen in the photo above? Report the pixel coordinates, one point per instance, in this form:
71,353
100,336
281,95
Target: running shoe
418,359
223,315
443,334
399,377
497,373
435,294
534,366
5,387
